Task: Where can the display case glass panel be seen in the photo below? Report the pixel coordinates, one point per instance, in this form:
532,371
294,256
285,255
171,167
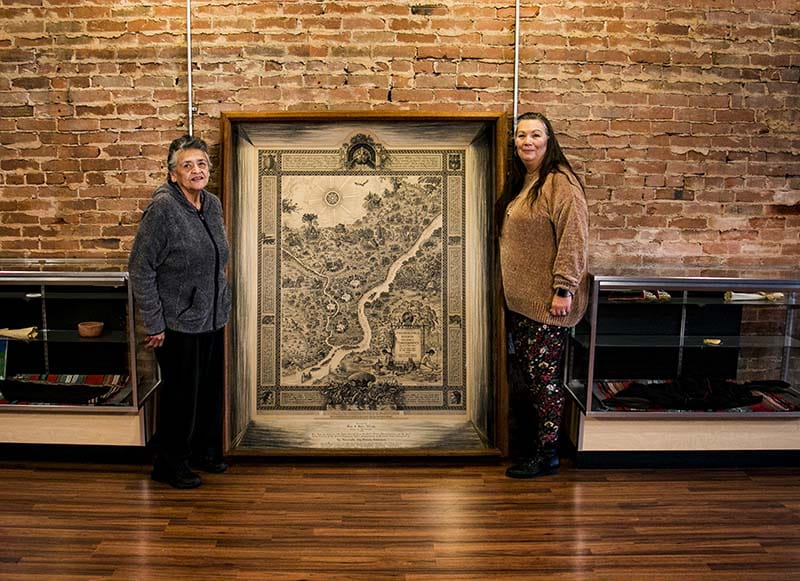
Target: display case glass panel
697,342
47,360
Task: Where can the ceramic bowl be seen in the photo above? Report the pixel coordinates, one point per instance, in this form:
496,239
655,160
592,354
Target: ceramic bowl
90,329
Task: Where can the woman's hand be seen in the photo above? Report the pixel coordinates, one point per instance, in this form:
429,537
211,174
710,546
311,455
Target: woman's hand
153,341
560,306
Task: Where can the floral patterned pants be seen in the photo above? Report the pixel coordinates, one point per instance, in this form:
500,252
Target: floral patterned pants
539,349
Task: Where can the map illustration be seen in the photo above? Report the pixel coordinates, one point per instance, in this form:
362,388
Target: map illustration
361,279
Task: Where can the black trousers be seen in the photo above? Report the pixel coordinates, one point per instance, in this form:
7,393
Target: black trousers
189,421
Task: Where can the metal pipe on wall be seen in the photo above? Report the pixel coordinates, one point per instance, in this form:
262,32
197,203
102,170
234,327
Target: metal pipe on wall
189,61
516,64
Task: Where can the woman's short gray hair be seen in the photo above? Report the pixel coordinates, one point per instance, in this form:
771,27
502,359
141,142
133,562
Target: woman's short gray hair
182,144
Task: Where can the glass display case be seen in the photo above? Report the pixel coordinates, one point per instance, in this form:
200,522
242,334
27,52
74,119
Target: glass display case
71,369
716,347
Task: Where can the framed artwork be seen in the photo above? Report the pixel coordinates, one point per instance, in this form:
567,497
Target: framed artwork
363,275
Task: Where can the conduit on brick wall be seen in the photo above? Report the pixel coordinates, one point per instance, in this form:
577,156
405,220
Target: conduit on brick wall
189,87
516,65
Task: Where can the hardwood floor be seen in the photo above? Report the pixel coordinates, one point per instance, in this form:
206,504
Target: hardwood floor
343,520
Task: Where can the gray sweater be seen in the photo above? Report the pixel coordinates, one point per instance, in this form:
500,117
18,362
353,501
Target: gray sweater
177,264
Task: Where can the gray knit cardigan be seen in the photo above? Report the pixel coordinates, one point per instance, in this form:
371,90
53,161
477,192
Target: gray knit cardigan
177,264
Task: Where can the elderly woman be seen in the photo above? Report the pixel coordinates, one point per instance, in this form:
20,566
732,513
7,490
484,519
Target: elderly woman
177,272
544,224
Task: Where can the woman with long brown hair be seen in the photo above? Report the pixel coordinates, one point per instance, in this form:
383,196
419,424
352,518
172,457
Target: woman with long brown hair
544,224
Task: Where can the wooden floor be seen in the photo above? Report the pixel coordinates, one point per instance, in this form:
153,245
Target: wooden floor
345,520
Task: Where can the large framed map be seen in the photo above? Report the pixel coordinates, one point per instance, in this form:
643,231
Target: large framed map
363,277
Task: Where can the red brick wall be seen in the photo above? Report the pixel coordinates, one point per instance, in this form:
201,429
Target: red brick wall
682,116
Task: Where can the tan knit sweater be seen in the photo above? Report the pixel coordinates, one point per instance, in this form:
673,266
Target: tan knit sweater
543,247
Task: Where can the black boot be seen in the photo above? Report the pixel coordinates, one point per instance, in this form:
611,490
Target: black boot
550,458
542,464
211,462
176,476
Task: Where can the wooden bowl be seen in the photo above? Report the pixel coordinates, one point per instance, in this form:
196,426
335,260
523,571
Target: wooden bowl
90,328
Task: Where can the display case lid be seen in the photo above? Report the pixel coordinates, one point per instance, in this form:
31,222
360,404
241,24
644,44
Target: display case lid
64,270
785,276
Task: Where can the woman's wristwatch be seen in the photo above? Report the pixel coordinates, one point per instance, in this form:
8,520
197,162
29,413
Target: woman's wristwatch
562,292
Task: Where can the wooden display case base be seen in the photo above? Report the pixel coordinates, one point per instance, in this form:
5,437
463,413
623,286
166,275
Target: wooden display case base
678,442
690,434
120,429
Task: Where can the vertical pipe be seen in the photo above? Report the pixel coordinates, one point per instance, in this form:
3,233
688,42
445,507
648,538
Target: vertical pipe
189,61
516,65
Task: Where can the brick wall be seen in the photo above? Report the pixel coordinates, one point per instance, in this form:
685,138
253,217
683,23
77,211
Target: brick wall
682,116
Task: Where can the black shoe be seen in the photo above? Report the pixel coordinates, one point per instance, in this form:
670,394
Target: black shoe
209,464
533,467
177,477
550,458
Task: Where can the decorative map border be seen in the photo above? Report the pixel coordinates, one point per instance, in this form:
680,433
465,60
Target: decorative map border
448,164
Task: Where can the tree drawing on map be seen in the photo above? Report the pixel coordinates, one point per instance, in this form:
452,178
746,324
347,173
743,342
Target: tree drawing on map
360,281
